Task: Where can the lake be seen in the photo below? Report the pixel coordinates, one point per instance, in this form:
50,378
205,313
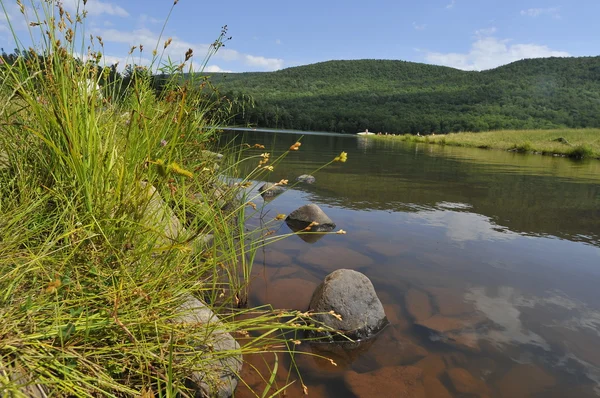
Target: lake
506,245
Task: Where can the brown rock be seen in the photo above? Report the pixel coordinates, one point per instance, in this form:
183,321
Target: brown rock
397,381
285,293
481,367
418,305
434,388
392,349
257,371
331,258
443,324
395,314
274,258
464,383
468,341
455,360
432,365
388,249
451,302
525,380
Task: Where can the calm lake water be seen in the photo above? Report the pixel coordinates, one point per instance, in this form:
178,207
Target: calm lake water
487,263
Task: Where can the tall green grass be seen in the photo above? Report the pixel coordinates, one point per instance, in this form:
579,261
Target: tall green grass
94,266
578,144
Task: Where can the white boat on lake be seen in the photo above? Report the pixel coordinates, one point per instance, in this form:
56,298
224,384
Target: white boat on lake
366,132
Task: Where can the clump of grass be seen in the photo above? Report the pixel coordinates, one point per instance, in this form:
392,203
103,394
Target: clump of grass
581,151
94,264
524,147
571,142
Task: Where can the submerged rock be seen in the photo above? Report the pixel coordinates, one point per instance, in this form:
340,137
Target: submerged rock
397,381
330,258
525,380
306,215
220,378
307,178
463,382
351,296
418,304
269,190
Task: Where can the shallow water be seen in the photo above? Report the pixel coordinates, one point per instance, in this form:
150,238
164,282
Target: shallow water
508,245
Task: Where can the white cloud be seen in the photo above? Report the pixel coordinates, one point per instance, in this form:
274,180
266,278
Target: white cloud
536,12
452,4
178,48
97,7
278,41
489,52
215,69
266,63
485,32
145,18
419,27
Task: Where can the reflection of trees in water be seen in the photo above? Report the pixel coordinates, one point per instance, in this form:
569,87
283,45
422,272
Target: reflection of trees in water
532,195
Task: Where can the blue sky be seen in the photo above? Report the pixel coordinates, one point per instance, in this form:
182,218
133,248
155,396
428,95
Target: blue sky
269,35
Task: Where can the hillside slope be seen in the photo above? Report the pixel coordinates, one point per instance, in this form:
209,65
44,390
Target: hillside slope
407,97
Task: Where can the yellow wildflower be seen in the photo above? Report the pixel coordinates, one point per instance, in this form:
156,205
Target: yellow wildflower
295,147
280,217
342,158
177,169
341,232
270,168
282,182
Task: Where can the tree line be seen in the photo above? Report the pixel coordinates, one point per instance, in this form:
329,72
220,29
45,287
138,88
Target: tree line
406,97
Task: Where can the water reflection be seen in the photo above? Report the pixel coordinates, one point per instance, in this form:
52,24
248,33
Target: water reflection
463,226
503,249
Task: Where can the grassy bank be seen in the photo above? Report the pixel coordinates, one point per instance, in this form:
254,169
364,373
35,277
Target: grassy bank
112,216
584,143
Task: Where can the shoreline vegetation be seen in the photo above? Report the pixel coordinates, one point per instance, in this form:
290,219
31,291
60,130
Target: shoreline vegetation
572,143
119,227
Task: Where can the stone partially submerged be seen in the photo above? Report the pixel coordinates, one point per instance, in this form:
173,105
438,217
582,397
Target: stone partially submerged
270,190
347,303
220,377
306,178
306,215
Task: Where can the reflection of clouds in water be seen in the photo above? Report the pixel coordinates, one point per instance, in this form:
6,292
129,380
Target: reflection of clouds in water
453,206
464,226
502,310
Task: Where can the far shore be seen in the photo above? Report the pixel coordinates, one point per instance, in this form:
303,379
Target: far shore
573,143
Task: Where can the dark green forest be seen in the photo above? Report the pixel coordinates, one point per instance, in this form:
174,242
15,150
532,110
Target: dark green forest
406,97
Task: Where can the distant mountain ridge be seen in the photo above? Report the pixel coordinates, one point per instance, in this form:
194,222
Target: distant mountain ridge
408,97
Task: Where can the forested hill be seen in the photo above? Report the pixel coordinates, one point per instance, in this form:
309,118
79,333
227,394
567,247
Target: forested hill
407,97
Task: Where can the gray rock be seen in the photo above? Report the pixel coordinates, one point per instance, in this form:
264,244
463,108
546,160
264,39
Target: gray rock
302,217
307,178
209,155
351,295
270,190
220,379
562,140
21,377
4,162
158,216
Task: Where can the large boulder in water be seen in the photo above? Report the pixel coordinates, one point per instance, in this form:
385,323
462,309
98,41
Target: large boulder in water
357,311
304,216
